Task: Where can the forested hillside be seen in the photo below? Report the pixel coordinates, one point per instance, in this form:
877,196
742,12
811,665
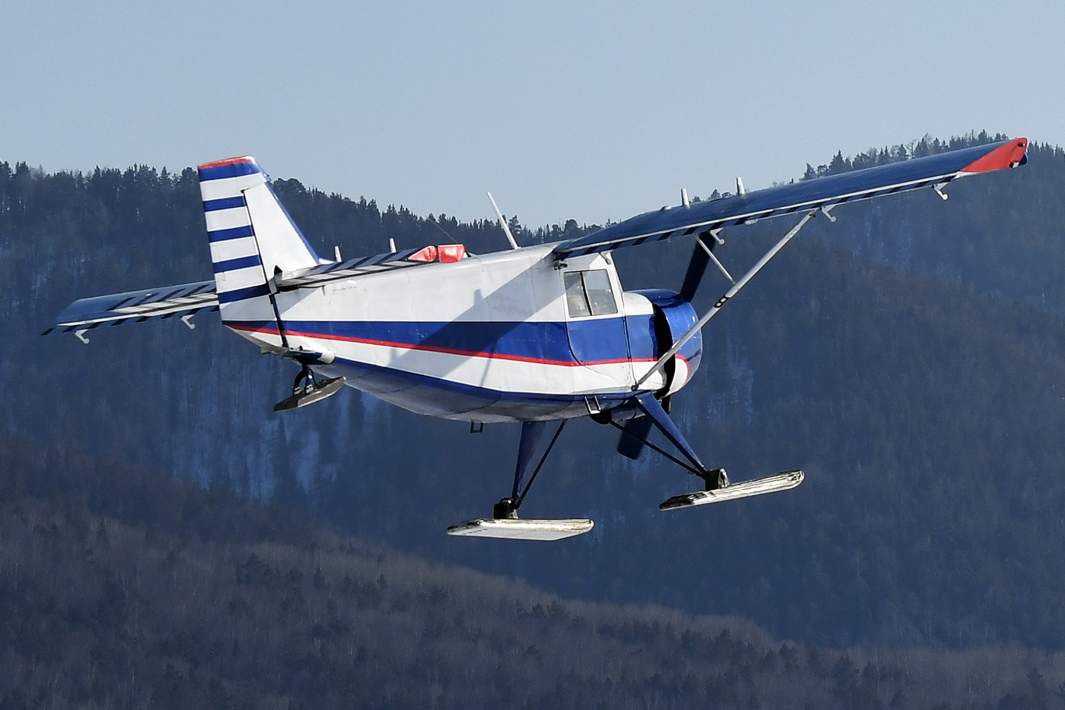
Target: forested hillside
121,589
910,357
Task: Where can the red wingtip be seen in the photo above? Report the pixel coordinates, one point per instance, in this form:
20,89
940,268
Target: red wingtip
227,161
1008,155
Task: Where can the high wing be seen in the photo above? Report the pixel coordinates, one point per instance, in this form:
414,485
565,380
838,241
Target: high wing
184,300
931,171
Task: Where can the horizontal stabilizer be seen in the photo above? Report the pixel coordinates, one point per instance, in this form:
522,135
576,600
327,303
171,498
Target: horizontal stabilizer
757,487
183,300
518,529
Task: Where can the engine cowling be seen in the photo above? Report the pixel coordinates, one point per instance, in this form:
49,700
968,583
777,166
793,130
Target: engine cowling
665,317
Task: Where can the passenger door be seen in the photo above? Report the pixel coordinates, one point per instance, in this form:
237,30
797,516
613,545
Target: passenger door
596,326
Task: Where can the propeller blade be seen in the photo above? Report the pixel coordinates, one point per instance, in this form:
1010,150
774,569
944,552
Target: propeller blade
636,432
696,267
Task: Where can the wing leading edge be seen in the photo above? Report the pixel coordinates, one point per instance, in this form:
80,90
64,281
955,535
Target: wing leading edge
930,171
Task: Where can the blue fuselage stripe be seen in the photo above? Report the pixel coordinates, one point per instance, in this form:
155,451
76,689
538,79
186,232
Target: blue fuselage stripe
591,341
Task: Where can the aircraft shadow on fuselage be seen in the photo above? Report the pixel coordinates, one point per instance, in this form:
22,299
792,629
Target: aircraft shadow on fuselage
472,333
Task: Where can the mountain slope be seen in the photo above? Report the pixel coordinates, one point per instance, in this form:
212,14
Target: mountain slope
924,401
104,606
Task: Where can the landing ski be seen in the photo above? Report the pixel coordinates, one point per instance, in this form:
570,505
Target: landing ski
321,390
746,489
518,529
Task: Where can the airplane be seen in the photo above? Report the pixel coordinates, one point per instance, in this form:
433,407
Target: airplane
537,335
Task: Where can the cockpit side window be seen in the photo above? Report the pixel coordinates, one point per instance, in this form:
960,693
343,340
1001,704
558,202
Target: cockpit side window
576,299
588,293
600,295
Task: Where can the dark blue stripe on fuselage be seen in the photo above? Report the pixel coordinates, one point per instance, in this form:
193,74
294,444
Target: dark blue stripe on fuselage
241,293
599,339
227,171
241,263
225,203
221,235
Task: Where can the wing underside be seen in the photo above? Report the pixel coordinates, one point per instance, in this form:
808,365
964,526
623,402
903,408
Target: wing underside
932,171
182,300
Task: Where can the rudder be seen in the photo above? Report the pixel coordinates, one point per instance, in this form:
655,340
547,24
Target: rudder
251,236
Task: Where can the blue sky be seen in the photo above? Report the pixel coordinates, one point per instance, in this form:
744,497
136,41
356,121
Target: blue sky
588,110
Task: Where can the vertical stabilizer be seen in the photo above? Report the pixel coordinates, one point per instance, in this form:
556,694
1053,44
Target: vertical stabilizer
251,236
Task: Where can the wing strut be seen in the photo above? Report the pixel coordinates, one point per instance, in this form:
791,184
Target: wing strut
733,290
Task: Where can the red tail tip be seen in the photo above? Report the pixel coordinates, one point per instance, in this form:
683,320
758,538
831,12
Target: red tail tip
227,161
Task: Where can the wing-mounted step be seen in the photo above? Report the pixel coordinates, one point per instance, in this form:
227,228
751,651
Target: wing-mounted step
757,487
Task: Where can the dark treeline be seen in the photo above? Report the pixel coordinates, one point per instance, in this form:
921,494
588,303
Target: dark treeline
910,357
120,589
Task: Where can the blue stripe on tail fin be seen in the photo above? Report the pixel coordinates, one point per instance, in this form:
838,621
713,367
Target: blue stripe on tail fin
251,236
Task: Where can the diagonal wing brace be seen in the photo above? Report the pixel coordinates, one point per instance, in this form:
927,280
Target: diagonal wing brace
733,290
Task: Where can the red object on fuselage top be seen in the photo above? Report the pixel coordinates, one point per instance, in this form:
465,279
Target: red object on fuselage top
1009,155
443,253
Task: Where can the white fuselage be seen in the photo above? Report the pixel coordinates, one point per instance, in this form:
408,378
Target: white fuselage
488,338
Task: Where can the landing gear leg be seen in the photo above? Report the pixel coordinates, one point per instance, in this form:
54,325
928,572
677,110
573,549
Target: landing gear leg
505,522
531,434
716,485
308,389
714,479
304,378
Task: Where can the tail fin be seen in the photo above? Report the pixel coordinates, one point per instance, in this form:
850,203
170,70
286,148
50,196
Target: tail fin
252,236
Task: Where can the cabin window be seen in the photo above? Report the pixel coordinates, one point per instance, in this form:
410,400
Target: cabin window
600,295
576,301
588,293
